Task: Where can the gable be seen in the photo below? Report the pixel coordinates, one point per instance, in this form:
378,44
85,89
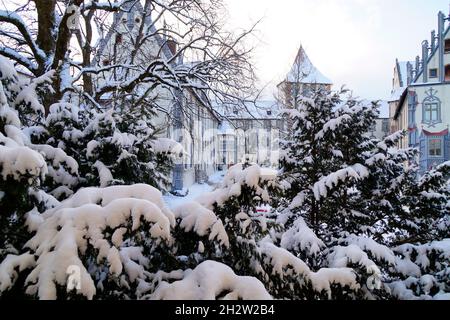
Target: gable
433,60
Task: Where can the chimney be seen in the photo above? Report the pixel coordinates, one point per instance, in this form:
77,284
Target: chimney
441,25
172,45
417,65
409,77
425,61
433,40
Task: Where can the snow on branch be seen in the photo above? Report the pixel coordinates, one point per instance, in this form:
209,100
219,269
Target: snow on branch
285,264
333,124
254,177
16,20
194,217
67,231
106,5
10,264
376,250
209,280
354,172
20,59
106,195
301,238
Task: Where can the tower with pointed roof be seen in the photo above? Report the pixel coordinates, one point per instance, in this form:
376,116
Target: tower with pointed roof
302,77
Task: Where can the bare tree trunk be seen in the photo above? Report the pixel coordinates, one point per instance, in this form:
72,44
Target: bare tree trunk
88,85
51,42
46,37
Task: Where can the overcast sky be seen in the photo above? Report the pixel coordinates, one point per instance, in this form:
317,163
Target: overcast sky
353,42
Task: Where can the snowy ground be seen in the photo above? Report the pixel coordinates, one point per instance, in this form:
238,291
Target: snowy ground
195,191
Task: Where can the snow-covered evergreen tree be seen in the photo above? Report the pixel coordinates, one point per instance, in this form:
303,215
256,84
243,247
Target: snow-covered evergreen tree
428,206
21,168
349,197
122,148
325,158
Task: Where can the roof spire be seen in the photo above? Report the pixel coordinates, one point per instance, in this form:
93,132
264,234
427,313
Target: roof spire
303,71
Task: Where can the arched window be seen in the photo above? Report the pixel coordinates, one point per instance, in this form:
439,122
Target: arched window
431,112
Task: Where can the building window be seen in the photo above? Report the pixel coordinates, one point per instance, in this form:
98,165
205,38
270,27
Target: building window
431,108
412,138
447,46
411,117
435,148
385,125
447,72
433,73
431,112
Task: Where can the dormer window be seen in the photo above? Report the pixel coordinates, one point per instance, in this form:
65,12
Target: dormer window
447,46
433,73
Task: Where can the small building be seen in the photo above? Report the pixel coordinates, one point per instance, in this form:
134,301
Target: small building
400,82
381,128
251,133
303,77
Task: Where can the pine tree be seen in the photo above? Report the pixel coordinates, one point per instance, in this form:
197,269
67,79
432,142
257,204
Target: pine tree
361,197
325,157
121,147
428,206
21,169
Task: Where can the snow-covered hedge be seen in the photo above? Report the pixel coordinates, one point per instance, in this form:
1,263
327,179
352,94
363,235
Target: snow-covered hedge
119,241
209,281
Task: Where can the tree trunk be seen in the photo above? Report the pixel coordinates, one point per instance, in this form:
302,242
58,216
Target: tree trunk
54,40
46,37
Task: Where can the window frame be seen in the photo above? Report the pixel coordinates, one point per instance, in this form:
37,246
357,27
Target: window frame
433,75
429,105
441,148
447,46
447,72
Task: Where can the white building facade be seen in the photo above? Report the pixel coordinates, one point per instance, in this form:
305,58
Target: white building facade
423,108
185,117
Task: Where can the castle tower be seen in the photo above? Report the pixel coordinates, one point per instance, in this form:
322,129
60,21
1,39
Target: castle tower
301,79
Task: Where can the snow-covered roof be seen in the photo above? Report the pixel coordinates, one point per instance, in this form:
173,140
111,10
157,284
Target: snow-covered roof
226,128
396,94
261,109
402,74
303,71
384,109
